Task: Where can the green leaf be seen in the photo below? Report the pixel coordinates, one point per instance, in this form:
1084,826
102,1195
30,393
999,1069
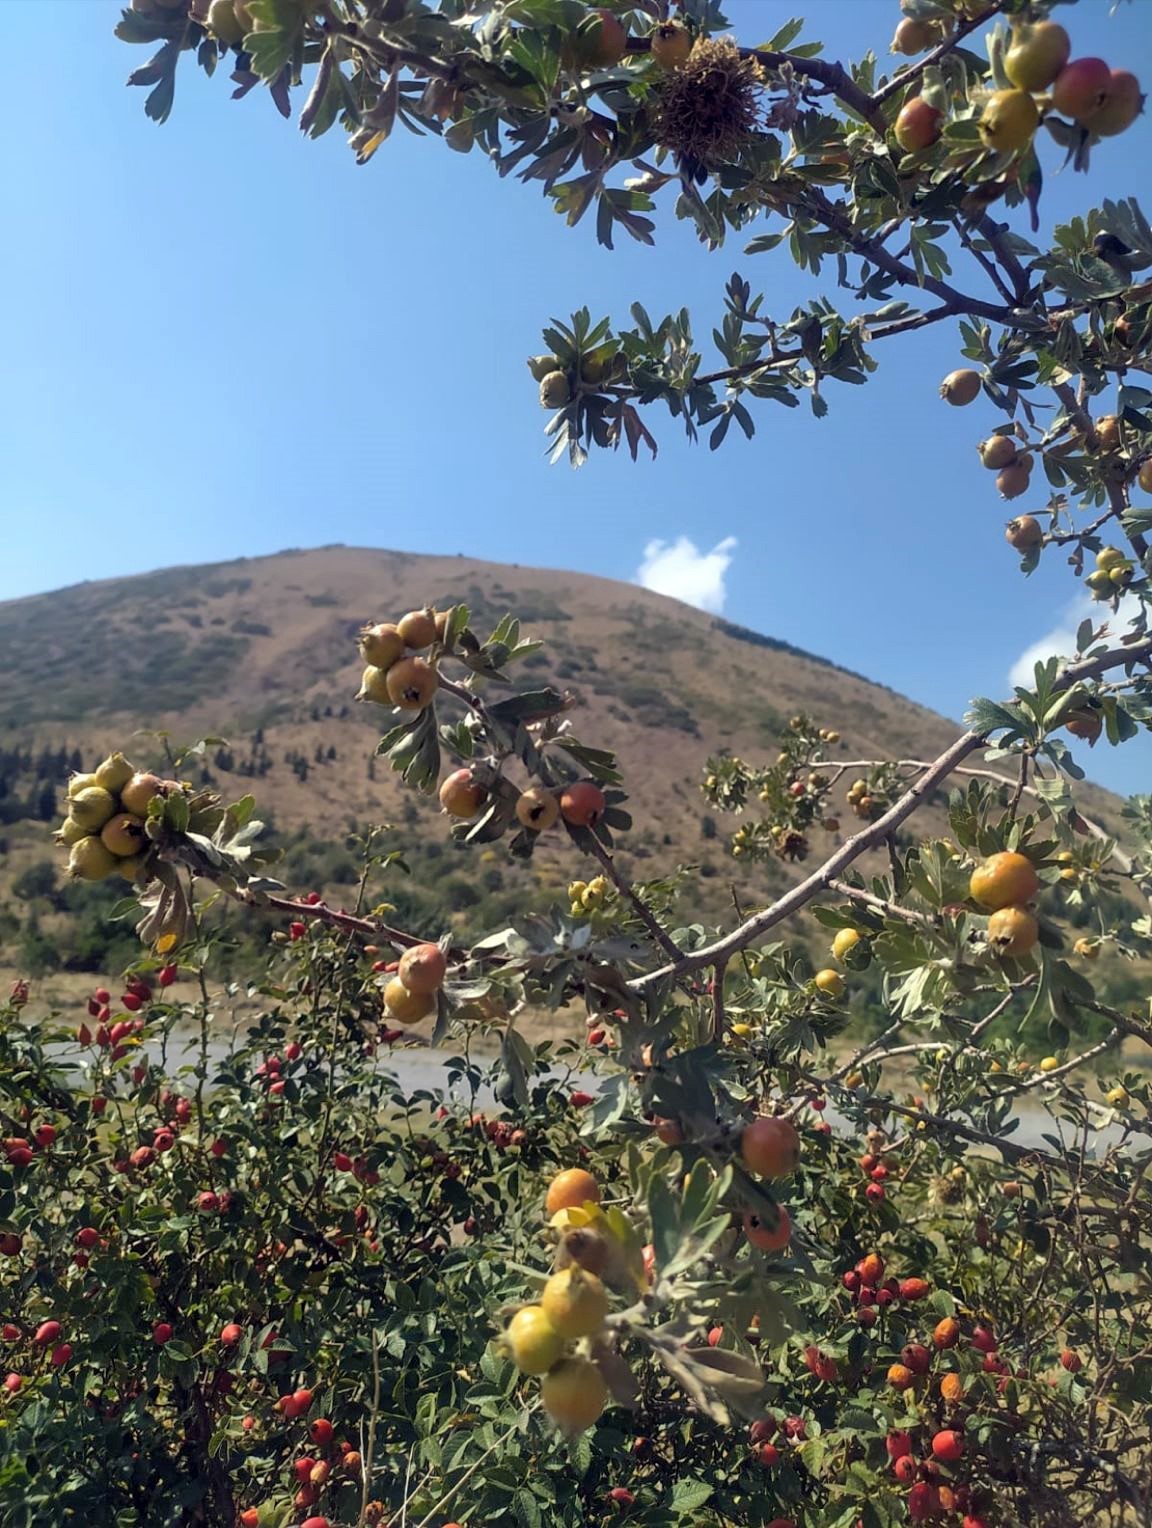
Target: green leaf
278,28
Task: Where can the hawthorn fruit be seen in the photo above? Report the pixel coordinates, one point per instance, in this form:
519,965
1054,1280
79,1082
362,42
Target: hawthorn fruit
1004,879
573,1393
770,1146
1013,931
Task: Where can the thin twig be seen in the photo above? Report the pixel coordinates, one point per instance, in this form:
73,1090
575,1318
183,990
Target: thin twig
624,886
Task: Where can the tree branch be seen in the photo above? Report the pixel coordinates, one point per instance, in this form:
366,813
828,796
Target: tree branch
792,901
906,77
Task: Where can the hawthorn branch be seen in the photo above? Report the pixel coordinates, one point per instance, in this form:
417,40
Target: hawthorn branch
637,903
906,77
820,880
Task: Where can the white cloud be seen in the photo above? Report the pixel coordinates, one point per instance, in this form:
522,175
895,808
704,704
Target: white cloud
1061,640
679,568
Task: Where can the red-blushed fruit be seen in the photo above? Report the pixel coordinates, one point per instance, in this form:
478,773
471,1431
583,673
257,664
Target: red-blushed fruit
766,1454
715,1336
671,44
874,1193
87,1237
460,796
537,808
917,1357
770,1146
162,1333
422,968
850,1281
766,1238
1123,102
315,1522
1024,533
604,47
898,1445
321,1432
60,1355
923,1501
621,1496
303,1467
1009,121
762,1430
946,1333
417,628
1012,931
12,1383
914,1289
871,1269
905,1469
46,1136
1003,880
1081,88
249,1518
47,1332
136,795
231,1334
1036,55
918,126
582,805
948,1446
984,1339
900,1377
1071,1361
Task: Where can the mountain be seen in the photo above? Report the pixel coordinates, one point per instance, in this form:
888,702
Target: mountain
261,652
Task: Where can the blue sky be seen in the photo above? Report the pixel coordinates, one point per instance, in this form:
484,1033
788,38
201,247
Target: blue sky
223,339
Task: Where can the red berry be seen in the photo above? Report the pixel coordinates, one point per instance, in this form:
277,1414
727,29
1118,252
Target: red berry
207,1202
948,1445
341,1161
84,1035
293,1050
231,1334
1071,1361
219,1147
874,1192
161,1333
163,1140
898,1445
303,1468
167,975
904,1469
879,1173
983,1339
580,1100
916,1357
47,1332
10,1332
102,995
61,1355
132,1001
321,1432
621,1496
296,930
98,1104
715,1336
766,1454
914,1289
46,1136
851,1282
87,1237
13,1383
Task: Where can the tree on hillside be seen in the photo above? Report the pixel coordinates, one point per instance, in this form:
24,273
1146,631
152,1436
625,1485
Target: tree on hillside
710,1306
